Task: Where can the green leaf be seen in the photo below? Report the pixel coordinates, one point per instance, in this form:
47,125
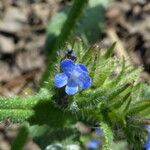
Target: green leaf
102,72
87,56
37,109
21,138
15,115
118,102
92,22
139,107
24,102
86,29
118,78
115,92
110,51
47,113
44,135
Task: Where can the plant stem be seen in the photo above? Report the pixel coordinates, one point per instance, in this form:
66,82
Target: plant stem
19,108
24,102
16,115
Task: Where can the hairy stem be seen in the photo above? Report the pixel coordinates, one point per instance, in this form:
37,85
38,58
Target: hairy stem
19,108
16,115
24,102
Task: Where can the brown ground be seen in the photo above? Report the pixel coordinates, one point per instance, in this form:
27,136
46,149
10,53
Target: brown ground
22,37
22,59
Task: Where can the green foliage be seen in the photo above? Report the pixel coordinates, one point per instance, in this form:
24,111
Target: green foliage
110,51
114,91
44,135
20,108
21,138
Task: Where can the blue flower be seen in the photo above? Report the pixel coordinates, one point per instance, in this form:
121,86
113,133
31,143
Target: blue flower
93,144
147,144
73,76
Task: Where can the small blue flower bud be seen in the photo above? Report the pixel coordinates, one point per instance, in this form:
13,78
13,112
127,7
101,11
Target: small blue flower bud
69,51
99,131
71,55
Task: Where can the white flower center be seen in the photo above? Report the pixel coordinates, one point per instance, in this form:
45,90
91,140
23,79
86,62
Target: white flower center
75,75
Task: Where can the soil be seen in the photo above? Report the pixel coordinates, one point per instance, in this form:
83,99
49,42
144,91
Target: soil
22,58
22,37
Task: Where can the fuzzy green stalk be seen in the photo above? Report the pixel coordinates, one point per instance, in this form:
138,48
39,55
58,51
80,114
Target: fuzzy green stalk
21,138
36,109
24,102
19,108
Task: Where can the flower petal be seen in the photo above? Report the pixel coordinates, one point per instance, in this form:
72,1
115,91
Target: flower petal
147,128
60,80
85,81
83,68
71,88
67,66
93,144
147,145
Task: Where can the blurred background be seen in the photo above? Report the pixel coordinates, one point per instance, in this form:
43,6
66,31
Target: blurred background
26,26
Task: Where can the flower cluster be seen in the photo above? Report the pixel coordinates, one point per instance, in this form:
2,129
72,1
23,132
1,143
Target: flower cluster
73,76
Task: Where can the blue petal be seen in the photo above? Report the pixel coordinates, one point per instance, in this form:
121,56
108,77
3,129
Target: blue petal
71,88
148,128
93,144
147,146
83,68
67,66
85,81
60,80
